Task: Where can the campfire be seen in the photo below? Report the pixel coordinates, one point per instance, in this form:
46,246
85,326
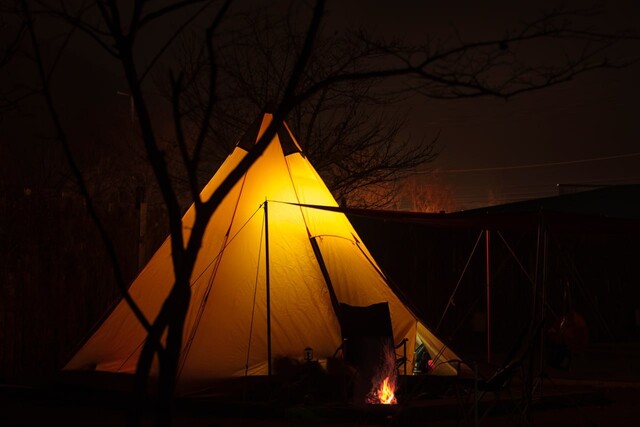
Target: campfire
384,382
383,393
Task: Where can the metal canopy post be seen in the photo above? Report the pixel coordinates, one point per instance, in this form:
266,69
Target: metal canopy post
488,265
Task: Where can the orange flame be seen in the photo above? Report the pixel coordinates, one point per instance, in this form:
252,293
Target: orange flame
384,394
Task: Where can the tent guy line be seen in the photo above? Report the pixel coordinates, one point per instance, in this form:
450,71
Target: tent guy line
531,166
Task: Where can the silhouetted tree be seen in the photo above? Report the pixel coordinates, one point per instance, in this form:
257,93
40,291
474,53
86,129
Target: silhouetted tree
428,194
450,69
359,148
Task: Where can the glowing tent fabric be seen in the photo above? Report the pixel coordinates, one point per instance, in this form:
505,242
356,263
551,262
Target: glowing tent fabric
226,328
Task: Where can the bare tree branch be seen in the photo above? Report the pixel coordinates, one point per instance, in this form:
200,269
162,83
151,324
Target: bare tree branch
164,11
76,20
286,104
173,38
339,91
62,138
469,70
212,99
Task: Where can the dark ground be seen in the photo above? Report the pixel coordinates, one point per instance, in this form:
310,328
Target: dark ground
573,406
602,388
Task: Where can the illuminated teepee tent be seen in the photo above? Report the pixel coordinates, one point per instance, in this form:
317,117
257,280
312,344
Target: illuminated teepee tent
315,261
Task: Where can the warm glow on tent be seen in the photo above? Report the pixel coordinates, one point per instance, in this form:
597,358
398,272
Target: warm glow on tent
242,314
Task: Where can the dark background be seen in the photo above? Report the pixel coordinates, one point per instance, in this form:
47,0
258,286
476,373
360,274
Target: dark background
56,283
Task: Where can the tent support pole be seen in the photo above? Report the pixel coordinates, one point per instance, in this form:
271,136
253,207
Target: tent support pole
488,265
268,285
536,314
543,305
455,290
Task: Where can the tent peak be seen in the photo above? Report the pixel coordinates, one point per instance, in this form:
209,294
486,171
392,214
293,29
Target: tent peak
257,128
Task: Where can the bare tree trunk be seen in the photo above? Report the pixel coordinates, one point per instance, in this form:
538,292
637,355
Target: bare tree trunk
449,72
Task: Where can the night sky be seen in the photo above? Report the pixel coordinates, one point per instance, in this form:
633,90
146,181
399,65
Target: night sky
496,151
492,151
584,132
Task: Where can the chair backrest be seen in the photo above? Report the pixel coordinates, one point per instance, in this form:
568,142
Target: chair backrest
367,334
371,320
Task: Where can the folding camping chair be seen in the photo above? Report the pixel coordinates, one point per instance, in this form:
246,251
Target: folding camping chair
500,381
368,345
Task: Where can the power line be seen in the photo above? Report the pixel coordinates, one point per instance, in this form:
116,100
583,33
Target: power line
531,166
469,198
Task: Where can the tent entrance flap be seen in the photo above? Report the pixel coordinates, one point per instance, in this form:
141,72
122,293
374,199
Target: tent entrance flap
325,273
